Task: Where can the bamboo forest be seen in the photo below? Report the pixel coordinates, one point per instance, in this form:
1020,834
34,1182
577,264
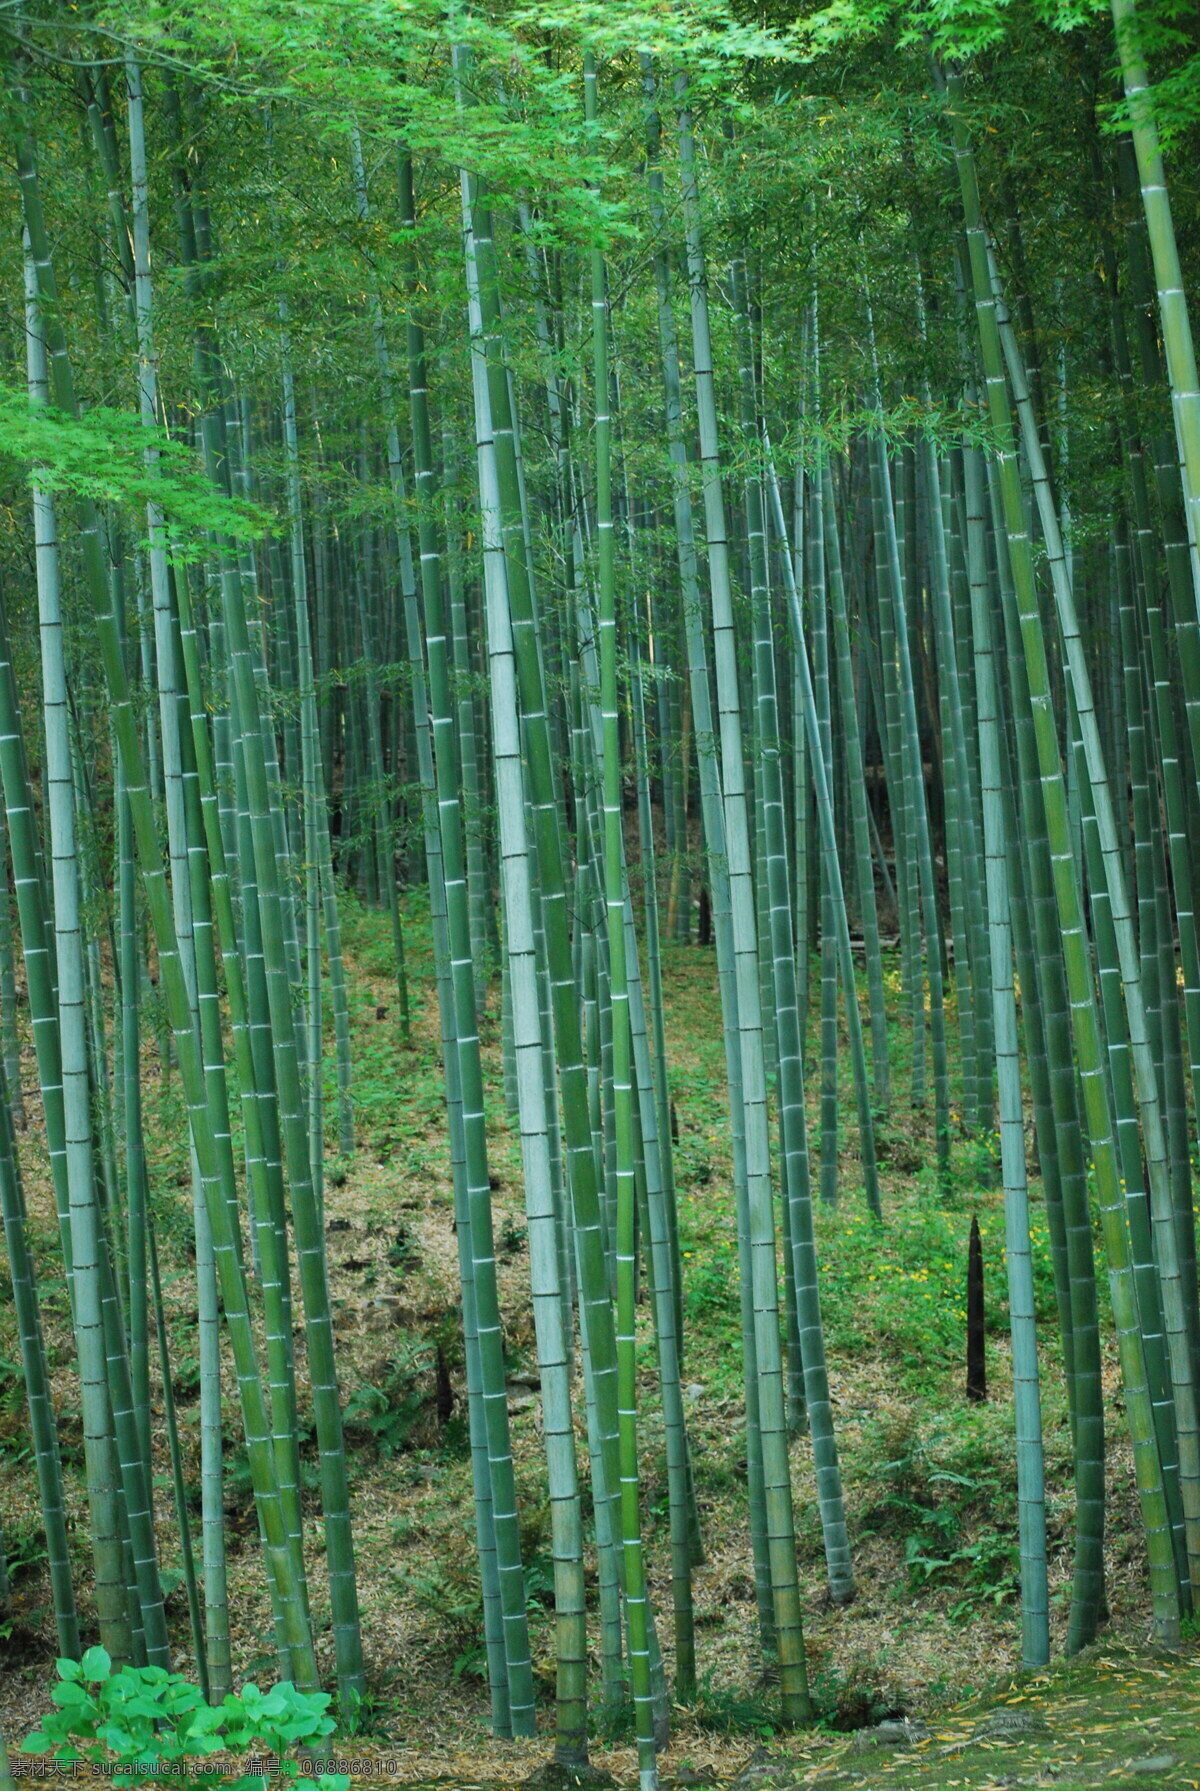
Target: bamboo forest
599,856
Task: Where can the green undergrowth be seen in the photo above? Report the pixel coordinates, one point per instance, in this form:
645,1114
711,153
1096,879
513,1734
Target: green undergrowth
929,1477
1111,1717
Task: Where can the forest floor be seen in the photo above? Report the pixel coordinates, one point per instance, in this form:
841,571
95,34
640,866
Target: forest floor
1109,1718
929,1478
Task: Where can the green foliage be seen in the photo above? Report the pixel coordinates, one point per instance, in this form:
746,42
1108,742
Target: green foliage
186,1378
453,1607
902,1289
712,1281
449,1595
389,1412
513,1237
389,67
365,1714
732,1710
12,1390
850,1697
102,456
950,1501
986,1570
955,29
140,1718
24,1546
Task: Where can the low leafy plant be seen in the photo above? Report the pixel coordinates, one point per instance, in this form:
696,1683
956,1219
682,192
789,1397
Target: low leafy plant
987,1570
450,1596
391,1411
12,1388
24,1546
948,1496
134,1718
730,1710
367,1714
403,1252
850,1697
513,1237
186,1378
711,1281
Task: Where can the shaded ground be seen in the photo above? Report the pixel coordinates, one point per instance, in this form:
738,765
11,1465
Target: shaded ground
929,1479
1111,1718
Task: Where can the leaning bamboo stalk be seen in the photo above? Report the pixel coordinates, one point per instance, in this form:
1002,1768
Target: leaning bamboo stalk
918,810
795,1701
1146,1091
562,1483
778,900
824,807
1061,1141
87,1234
582,1179
1174,314
1087,1036
636,1595
170,721
856,779
714,829
450,886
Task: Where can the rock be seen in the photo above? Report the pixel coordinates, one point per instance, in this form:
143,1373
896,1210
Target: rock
902,1733
521,1402
758,1767
693,1775
694,1389
552,1775
765,1769
525,1380
382,1312
1007,1724
1154,1764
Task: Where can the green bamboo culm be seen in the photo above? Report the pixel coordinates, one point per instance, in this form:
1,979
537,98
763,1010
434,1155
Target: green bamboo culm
512,1593
572,1710
793,1135
1121,960
1174,315
42,1426
89,1267
179,1005
780,1529
1035,1619
635,1589
1066,887
582,1168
